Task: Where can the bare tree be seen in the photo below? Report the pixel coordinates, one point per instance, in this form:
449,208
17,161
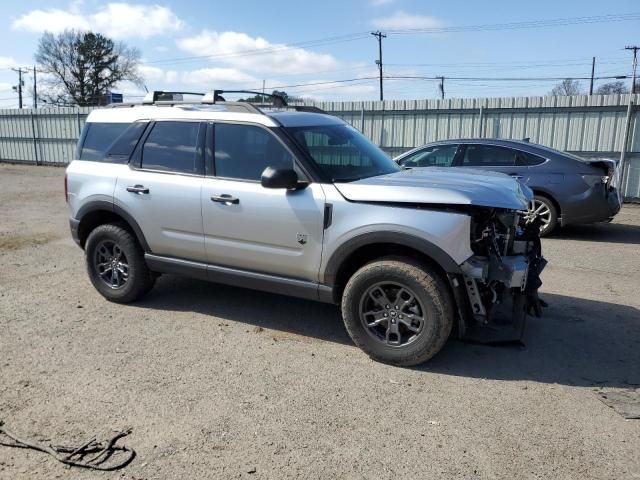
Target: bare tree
612,88
567,87
81,67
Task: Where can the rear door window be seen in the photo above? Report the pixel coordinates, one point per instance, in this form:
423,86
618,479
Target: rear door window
435,156
98,137
488,156
173,147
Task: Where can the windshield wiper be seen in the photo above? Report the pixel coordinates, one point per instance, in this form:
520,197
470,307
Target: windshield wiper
346,180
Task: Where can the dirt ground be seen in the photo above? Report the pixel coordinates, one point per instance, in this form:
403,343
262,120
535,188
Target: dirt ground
220,382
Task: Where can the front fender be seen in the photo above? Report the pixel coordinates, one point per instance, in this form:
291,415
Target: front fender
442,235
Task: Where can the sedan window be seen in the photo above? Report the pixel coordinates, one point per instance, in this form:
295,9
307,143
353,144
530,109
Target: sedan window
436,156
488,156
525,158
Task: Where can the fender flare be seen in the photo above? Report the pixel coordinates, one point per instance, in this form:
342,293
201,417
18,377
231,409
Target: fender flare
97,205
437,254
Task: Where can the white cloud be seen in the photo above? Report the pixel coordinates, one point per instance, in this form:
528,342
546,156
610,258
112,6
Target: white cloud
121,20
204,78
7,62
117,20
52,20
401,20
152,74
171,76
265,57
211,78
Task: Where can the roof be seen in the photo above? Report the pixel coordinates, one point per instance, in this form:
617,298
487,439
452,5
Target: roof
518,144
186,111
304,119
219,111
492,141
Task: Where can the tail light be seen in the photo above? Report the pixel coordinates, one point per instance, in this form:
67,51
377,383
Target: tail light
66,189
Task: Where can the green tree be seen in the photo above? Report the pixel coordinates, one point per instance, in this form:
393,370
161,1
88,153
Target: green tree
81,67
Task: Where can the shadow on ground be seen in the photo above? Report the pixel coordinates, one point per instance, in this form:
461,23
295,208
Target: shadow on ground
601,232
577,342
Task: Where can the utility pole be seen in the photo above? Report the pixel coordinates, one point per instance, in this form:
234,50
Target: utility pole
379,35
441,86
35,89
635,66
593,71
18,87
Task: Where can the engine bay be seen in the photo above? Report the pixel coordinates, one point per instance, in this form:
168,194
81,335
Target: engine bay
502,278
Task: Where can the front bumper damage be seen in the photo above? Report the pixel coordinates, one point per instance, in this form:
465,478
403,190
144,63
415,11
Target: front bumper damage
499,285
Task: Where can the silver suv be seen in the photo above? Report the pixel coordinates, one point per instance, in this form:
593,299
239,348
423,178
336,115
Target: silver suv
300,203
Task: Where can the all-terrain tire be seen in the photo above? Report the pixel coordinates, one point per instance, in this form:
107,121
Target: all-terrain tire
139,279
432,293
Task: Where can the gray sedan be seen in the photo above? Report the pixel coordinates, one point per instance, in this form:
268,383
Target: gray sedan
568,189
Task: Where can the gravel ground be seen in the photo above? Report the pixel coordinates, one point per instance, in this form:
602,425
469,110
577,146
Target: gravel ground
220,382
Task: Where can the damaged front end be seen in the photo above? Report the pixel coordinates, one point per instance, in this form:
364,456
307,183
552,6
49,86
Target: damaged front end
499,284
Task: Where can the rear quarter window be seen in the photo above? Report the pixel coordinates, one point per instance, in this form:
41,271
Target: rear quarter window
529,159
97,138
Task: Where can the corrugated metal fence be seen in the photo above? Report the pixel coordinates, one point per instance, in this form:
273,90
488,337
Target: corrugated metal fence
45,136
591,126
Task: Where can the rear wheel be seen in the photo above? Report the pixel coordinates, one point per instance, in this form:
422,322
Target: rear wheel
398,311
544,208
115,264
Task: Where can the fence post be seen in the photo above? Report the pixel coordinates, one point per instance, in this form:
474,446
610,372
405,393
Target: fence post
481,122
382,125
35,136
623,152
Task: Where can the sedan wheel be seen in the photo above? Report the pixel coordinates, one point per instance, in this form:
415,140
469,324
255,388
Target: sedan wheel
542,208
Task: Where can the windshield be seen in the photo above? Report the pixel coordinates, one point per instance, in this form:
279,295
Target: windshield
343,153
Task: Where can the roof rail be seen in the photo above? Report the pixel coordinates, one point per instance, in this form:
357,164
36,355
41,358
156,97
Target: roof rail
216,96
164,96
309,108
245,107
171,98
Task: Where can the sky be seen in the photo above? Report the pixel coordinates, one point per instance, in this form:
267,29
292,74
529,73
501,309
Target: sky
301,46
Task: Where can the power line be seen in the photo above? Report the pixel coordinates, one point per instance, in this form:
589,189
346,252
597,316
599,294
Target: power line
18,87
379,35
452,29
635,66
556,22
500,79
263,51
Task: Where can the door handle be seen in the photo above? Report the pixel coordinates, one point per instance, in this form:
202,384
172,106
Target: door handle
225,198
137,189
516,176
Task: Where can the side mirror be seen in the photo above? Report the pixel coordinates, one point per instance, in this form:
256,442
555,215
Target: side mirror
280,178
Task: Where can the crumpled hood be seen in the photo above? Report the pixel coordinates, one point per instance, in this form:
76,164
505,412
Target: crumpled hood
453,186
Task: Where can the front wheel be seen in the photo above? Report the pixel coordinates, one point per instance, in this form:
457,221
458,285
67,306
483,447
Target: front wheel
398,311
115,264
